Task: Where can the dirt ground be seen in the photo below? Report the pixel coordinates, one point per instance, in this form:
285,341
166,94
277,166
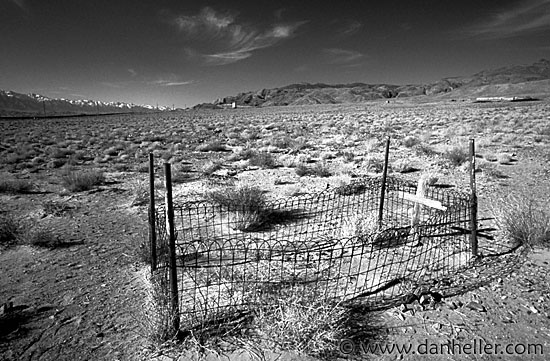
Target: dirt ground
85,300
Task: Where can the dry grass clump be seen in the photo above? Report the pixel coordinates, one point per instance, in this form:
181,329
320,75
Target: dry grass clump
457,155
410,141
211,167
403,166
523,220
504,158
304,324
158,317
78,181
423,149
264,160
42,237
247,203
360,226
214,146
9,229
320,169
350,189
15,185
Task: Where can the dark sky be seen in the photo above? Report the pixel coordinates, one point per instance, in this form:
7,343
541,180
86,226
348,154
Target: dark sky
182,52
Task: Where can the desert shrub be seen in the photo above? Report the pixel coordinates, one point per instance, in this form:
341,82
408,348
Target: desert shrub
247,203
158,316
59,153
360,226
424,149
78,181
9,229
403,166
214,146
350,189
320,169
410,141
374,164
211,166
348,156
57,209
504,158
302,169
457,155
282,142
43,237
491,171
263,159
15,186
523,220
304,324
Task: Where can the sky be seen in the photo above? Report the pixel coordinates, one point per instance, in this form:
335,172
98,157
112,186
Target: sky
181,53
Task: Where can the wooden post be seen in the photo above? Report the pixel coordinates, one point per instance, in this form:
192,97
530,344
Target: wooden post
152,217
173,274
383,187
473,200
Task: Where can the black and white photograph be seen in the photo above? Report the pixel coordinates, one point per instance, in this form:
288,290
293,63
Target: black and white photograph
274,180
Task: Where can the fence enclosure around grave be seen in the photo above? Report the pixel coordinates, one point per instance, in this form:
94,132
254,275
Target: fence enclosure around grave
351,244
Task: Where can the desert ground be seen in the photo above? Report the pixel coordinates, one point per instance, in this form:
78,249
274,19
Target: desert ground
73,211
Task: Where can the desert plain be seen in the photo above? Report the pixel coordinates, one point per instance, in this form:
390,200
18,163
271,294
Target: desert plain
74,276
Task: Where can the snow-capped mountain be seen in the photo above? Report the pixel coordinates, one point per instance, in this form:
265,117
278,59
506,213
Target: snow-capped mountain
17,104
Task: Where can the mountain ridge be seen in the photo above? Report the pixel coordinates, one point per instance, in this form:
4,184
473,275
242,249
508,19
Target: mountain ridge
321,93
13,104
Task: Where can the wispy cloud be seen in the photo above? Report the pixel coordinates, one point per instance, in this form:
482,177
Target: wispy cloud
526,17
163,82
342,56
348,27
219,39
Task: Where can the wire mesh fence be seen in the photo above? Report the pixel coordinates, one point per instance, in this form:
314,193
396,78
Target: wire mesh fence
331,246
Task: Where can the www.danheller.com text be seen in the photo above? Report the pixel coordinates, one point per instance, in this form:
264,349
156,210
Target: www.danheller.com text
452,347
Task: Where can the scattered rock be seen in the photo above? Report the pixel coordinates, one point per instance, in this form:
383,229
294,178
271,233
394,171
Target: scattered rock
476,306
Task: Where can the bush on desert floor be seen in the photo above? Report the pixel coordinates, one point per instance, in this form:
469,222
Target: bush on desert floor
523,220
247,203
43,237
13,185
457,155
9,229
81,180
263,160
304,324
214,146
410,141
156,323
320,169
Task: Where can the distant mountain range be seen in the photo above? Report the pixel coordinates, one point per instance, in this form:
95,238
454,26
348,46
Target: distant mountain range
14,104
520,80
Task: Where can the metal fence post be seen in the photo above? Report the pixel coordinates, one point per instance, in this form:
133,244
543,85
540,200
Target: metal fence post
152,215
173,274
473,200
383,190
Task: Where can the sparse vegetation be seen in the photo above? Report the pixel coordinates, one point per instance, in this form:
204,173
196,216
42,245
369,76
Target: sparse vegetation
304,324
319,169
43,237
81,180
9,229
15,185
263,159
457,155
523,220
213,146
248,204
